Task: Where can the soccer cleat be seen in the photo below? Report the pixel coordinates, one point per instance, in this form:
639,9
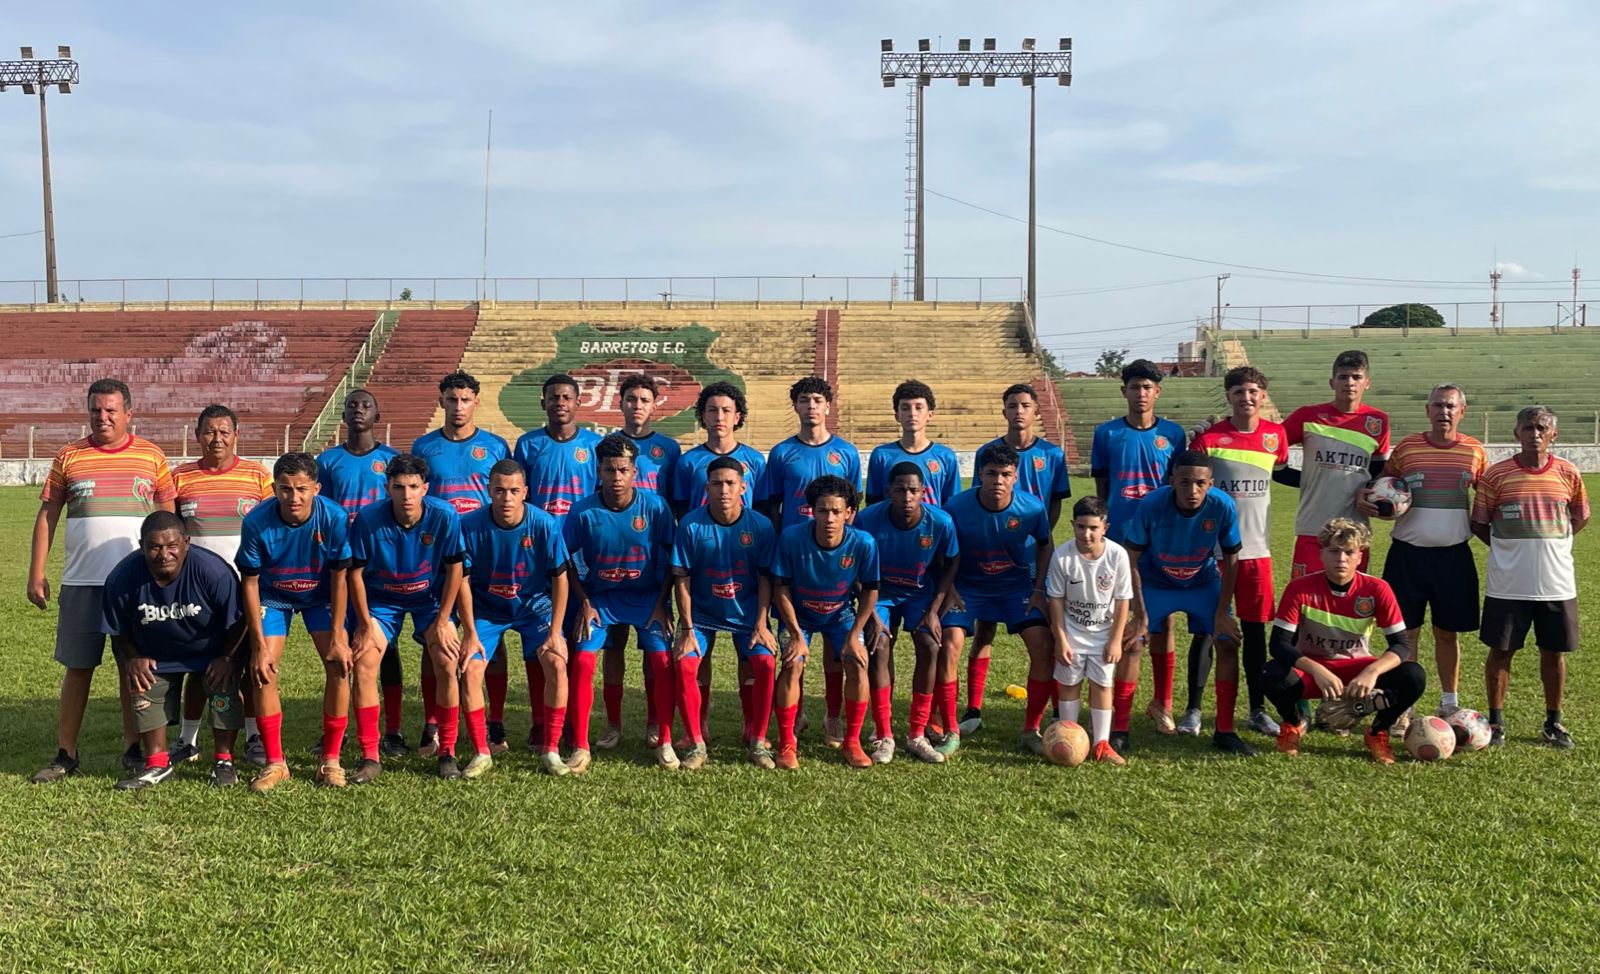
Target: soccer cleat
255,752
1555,735
1497,735
787,758
1106,754
579,760
1401,724
315,748
366,772
448,769
935,730
1289,739
1378,746
1262,723
552,765
497,738
148,777
693,759
1189,723
477,767
652,738
1162,718
133,758
1230,743
330,774
536,739
854,756
919,748
270,777
428,746
394,745
972,721
1119,742
760,755
1445,712
182,753
950,744
832,731
666,756
881,750
223,774
62,766
609,740
1032,742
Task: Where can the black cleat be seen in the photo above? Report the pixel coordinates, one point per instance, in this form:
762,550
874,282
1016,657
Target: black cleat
147,777
394,745
497,732
536,739
63,765
366,772
1119,742
1557,737
448,769
971,721
1230,743
1497,735
224,775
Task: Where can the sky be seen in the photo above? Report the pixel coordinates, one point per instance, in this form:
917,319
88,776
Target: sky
1306,149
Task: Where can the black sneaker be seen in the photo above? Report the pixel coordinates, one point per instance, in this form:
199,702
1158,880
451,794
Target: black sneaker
133,758
1230,743
1119,742
394,745
63,765
497,732
366,772
147,777
182,753
1557,737
254,751
1497,735
448,769
223,775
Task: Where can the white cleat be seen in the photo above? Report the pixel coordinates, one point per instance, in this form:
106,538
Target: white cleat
1190,723
919,748
881,750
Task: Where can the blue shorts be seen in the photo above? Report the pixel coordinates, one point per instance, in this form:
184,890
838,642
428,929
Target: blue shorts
903,615
1198,603
744,643
390,618
492,636
1011,609
833,639
615,611
275,619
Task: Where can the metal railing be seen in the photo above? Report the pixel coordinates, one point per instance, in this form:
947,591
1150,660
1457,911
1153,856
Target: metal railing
1502,317
354,377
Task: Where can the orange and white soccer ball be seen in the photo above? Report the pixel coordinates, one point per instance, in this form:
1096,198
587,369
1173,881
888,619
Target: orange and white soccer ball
1472,729
1391,495
1430,739
1066,744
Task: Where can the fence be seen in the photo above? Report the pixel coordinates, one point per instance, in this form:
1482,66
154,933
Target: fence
354,377
1503,317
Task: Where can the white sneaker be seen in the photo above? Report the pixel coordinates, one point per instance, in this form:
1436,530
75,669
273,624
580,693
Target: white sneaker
666,757
1262,723
1190,723
477,767
881,750
920,749
551,764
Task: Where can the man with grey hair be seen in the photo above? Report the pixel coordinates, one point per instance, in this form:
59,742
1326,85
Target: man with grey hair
1430,562
1528,508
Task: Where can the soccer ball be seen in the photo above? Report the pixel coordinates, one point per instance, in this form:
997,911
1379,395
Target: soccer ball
1472,730
1065,743
1430,739
1390,496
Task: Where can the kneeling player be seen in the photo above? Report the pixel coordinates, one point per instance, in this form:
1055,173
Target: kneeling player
1090,585
1321,643
820,568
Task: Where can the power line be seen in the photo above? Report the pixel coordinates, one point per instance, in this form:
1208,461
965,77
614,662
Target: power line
28,233
1125,287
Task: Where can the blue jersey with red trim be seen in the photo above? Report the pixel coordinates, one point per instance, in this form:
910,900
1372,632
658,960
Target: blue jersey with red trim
823,581
1180,549
458,470
689,477
998,547
560,472
354,480
510,568
941,474
907,556
724,564
624,552
658,458
1041,469
1135,462
403,567
294,561
793,465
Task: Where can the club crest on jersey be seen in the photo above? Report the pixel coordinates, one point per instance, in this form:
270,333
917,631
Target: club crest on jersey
656,452
933,466
478,453
427,539
1208,525
1105,580
639,522
144,488
378,466
527,542
581,455
926,541
316,537
1365,606
1224,440
746,538
847,561
1269,442
246,505
1038,463
1012,523
834,458
1161,443
1374,425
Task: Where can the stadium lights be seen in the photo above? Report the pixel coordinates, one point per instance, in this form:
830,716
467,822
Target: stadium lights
35,76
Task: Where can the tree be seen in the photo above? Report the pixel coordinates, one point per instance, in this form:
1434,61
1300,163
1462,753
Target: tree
1404,316
405,294
1052,368
1111,361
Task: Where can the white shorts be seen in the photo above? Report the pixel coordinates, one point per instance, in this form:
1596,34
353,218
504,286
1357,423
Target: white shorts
1090,665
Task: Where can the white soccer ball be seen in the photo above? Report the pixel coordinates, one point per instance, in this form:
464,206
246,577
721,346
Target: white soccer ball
1391,496
1472,730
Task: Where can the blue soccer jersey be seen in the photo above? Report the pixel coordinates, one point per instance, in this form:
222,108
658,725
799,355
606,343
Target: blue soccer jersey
907,556
510,568
998,547
793,465
724,564
689,477
354,480
941,474
823,581
1134,463
658,459
294,561
1041,469
403,568
622,553
183,625
1180,549
458,470
560,472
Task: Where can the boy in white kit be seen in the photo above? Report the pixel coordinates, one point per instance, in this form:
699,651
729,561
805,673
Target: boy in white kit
1089,585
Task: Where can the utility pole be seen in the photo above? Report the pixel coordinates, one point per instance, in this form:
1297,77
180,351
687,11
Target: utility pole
34,75
1576,275
1494,300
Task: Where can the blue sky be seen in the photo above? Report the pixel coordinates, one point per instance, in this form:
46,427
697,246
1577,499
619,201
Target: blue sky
1417,141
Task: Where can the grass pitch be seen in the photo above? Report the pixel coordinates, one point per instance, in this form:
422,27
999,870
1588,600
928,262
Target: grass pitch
1183,861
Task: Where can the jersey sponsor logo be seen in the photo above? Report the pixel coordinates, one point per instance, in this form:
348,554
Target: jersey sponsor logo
558,506
581,455
427,540
1269,442
246,505
144,488
378,466
1180,573
1012,523
1365,606
296,585
746,538
934,466
805,510
1374,425
834,458
995,567
847,561
505,591
727,590
479,453
465,505
1161,443
407,588
1135,491
166,613
1038,463
820,607
639,523
620,574
1208,525
926,541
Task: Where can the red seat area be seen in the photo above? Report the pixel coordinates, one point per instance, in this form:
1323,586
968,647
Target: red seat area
423,347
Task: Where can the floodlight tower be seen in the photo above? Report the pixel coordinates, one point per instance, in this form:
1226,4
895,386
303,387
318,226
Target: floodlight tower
964,65
36,75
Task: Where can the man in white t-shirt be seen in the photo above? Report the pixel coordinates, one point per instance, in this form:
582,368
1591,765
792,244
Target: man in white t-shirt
1089,585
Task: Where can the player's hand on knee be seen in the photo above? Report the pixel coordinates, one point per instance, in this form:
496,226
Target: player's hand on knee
764,637
471,648
1330,685
793,649
855,651
930,625
554,648
1037,602
219,675
141,673
1362,686
588,618
684,645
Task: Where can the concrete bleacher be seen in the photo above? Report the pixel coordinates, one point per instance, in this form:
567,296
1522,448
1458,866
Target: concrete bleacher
1090,402
424,345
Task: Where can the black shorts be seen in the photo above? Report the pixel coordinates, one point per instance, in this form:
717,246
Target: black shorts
1506,623
1444,578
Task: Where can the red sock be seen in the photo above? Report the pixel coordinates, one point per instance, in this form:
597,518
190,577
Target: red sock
580,696
833,692
663,693
948,692
554,717
612,693
366,731
393,708
921,710
882,712
977,676
449,729
478,730
221,755
855,714
1121,704
763,671
688,679
333,736
786,718
535,690
271,728
1163,665
1227,698
1040,693
497,680
160,759
430,687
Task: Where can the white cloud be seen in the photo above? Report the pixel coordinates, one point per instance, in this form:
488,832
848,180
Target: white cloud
1510,268
1220,173
1076,141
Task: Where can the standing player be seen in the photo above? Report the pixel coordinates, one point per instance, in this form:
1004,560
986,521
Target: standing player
721,410
516,566
941,475
106,483
1322,643
1176,540
1529,507
1245,450
621,543
721,562
292,556
459,456
1130,457
1090,584
559,456
917,557
1430,558
998,528
405,559
826,574
1042,472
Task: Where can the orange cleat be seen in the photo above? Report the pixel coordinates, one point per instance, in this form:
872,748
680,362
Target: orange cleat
786,759
1378,746
1107,754
1289,738
854,756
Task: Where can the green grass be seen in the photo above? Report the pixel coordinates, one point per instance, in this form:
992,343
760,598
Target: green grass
1181,861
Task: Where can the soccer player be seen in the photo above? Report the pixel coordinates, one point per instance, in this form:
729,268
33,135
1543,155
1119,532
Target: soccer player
459,456
721,410
1131,456
1321,643
1176,541
998,528
559,456
292,556
917,557
914,406
171,608
516,565
1344,443
1527,510
621,543
1245,450
826,577
1042,472
791,466
214,493
106,483
1090,584
405,559
1430,560
721,563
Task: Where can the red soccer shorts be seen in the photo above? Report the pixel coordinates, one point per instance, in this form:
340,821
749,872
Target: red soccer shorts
1308,556
1252,594
1345,669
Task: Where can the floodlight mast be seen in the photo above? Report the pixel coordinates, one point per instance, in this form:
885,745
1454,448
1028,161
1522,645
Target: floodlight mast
37,75
965,64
